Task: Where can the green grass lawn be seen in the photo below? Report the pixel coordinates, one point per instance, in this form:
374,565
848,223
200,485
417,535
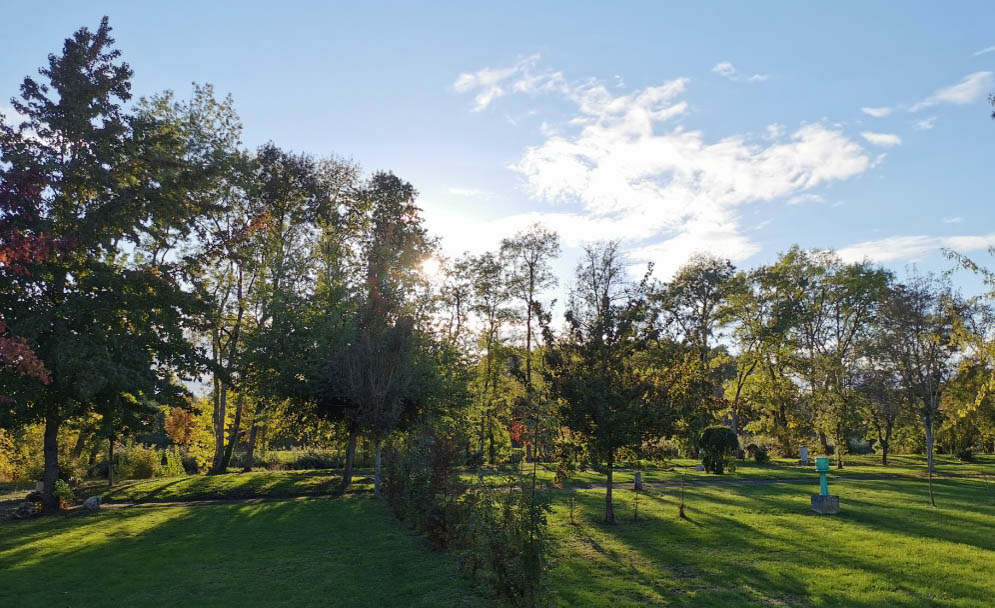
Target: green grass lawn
325,552
742,545
856,467
759,545
257,484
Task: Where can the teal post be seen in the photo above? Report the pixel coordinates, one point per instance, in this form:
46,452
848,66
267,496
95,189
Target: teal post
822,466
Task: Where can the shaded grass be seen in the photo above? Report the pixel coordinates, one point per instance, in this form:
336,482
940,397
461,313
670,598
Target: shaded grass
257,484
761,546
341,552
856,467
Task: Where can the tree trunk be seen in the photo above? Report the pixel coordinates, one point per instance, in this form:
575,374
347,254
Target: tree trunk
250,450
927,422
80,444
824,442
110,462
350,456
377,458
840,441
220,415
232,436
884,453
609,506
491,449
49,501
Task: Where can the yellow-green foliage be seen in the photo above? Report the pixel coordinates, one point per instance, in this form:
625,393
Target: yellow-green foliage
137,461
7,466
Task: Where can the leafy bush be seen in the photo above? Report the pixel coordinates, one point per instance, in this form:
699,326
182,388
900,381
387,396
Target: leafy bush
315,460
498,532
965,455
717,443
8,468
504,542
757,453
137,461
64,493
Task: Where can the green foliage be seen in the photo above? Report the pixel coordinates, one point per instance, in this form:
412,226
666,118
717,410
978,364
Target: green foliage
138,461
717,443
499,532
64,493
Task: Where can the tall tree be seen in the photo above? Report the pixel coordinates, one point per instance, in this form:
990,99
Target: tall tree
528,256
105,314
838,304
381,370
609,391
921,316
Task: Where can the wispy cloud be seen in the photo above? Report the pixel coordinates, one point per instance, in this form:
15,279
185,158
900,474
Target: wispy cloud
984,51
952,220
913,248
971,88
877,112
926,124
522,77
727,70
881,139
624,169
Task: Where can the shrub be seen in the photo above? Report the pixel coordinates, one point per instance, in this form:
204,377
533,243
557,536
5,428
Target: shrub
717,443
498,532
314,460
757,453
137,461
965,455
64,493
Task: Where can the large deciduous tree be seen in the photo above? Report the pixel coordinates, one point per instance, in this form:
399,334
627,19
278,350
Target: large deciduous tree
107,189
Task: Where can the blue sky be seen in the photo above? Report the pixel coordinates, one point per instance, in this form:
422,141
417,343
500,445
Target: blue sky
732,128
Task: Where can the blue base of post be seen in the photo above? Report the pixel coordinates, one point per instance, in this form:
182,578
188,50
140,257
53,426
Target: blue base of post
825,505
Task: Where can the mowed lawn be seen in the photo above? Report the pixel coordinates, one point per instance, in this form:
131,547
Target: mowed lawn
323,552
759,545
755,544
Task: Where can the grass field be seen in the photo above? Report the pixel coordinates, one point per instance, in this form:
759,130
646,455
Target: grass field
759,545
348,551
754,544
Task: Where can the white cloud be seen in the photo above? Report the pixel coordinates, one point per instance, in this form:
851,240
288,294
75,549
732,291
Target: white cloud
926,124
987,49
877,112
491,83
807,197
727,70
971,88
952,220
913,247
881,139
620,166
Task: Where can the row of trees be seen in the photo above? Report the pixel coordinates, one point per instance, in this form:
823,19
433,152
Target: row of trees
143,249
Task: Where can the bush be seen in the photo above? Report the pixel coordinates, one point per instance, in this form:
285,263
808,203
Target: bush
498,532
965,455
137,461
314,460
64,493
757,453
717,443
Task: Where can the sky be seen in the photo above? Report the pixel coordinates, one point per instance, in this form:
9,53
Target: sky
735,129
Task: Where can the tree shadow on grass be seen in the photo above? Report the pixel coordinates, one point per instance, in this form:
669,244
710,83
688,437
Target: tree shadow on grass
348,552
